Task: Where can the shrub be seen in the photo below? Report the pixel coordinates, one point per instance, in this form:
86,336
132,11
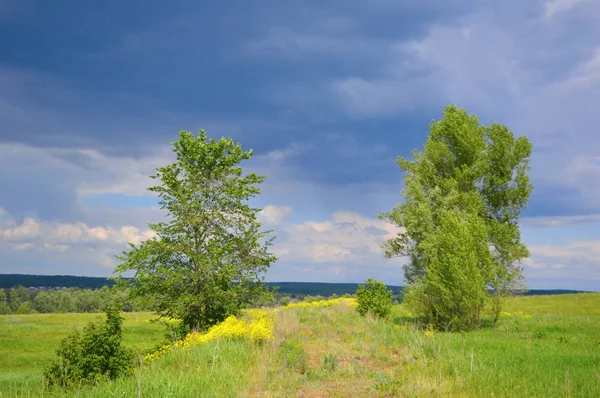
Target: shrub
285,300
309,298
374,297
91,355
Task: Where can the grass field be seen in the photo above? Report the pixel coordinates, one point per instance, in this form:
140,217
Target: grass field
28,343
544,346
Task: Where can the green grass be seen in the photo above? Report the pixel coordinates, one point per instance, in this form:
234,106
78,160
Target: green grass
28,343
554,352
212,370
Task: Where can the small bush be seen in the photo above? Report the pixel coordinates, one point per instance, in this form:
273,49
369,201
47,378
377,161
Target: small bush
374,297
293,355
91,355
284,301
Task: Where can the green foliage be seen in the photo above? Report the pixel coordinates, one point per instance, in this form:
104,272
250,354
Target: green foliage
29,344
463,196
452,293
543,346
92,355
208,260
374,297
66,300
263,298
25,308
284,301
330,363
292,355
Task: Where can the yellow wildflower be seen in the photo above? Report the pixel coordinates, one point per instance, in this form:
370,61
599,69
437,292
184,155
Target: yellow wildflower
259,328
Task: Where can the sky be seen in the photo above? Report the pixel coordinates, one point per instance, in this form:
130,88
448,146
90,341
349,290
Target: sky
327,94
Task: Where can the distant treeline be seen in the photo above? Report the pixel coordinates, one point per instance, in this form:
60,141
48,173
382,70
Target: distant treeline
320,288
293,289
83,282
299,289
22,300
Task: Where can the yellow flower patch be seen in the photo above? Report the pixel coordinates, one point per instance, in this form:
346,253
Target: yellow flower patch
258,329
323,303
518,314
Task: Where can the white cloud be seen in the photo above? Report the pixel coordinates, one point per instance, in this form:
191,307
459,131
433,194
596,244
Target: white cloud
586,75
555,7
347,237
119,175
559,262
559,221
586,251
23,246
26,231
76,238
274,215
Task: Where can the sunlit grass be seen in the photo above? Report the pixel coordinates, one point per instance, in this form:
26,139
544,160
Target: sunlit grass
542,347
28,343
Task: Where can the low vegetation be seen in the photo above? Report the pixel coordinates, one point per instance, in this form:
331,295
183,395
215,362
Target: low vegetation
541,346
92,355
374,298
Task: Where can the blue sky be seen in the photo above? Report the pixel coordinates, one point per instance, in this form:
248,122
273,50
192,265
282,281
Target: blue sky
327,95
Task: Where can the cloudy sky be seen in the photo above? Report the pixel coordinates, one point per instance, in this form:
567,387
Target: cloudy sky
327,94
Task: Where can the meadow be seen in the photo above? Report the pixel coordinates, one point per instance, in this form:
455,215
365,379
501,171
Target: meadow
543,346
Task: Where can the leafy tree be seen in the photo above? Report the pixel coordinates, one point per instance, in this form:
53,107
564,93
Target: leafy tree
3,303
374,297
463,197
208,259
44,302
66,301
25,308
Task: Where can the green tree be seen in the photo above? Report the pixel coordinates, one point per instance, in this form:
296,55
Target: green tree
14,300
66,301
374,297
25,308
208,260
473,178
3,304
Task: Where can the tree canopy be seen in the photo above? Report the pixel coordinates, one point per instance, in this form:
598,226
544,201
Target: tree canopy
463,196
209,257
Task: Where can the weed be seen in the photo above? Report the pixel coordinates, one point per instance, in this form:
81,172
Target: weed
330,363
292,355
